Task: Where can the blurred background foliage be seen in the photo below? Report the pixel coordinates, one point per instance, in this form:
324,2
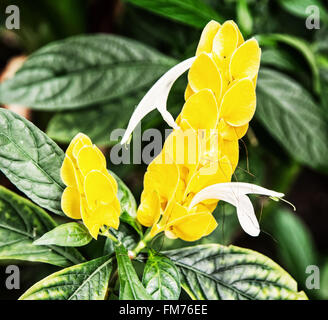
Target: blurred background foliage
285,149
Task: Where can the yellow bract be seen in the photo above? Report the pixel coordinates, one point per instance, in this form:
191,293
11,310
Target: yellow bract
91,192
220,101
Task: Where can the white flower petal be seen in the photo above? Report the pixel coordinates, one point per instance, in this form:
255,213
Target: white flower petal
156,98
235,194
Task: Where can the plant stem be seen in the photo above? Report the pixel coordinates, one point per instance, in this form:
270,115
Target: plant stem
106,233
141,245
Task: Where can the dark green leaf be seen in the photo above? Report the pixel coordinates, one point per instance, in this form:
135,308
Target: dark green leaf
299,7
295,245
216,272
192,12
22,222
86,281
292,117
244,17
130,286
31,160
161,278
301,46
96,122
83,71
71,234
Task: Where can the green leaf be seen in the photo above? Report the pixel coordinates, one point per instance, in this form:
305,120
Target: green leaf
22,222
216,272
161,278
31,160
83,71
128,205
192,12
71,234
279,59
300,45
295,246
97,122
289,113
86,281
130,286
298,8
244,17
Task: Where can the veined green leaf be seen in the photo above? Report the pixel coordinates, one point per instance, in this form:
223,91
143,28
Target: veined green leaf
31,160
86,281
192,12
71,234
97,122
131,287
83,71
291,116
161,278
128,205
216,272
22,222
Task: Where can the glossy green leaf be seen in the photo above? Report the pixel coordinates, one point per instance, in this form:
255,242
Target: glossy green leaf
128,205
22,222
97,122
83,71
295,246
71,234
192,12
86,281
31,160
131,287
216,272
161,278
292,117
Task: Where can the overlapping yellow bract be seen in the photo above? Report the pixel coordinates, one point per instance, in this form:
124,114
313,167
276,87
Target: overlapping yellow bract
91,192
220,102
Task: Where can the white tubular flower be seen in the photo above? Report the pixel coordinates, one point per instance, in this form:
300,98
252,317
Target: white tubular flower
156,98
235,194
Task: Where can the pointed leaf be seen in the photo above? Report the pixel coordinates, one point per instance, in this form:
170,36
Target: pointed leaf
22,222
86,281
71,234
216,272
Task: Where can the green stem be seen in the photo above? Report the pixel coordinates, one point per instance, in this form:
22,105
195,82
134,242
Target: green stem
141,245
105,232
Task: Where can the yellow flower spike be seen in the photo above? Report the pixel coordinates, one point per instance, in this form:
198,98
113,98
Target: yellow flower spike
91,192
188,92
81,140
238,104
149,210
88,159
163,178
70,203
98,189
191,226
211,173
226,40
230,133
105,214
245,61
67,172
230,150
207,36
201,110
204,74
